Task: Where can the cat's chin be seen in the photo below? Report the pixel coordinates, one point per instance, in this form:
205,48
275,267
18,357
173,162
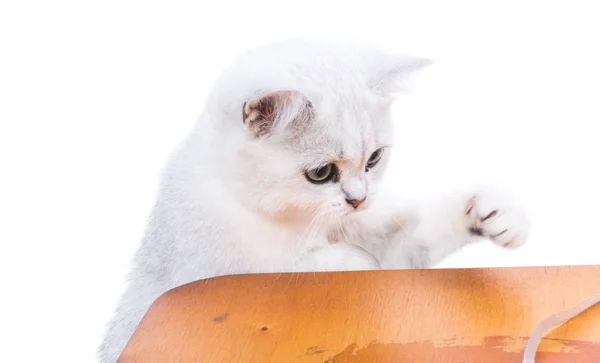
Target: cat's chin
349,213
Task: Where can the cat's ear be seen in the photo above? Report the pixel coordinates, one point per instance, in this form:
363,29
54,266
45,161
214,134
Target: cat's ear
392,70
275,111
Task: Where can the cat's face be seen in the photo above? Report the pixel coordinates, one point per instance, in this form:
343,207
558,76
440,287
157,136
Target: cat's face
319,165
310,128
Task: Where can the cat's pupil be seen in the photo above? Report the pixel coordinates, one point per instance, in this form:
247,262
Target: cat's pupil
375,155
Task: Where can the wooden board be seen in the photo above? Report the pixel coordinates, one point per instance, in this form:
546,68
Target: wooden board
463,315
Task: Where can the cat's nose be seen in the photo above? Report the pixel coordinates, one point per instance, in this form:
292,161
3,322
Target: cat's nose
355,202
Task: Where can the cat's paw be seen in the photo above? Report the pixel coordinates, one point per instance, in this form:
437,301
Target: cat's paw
493,215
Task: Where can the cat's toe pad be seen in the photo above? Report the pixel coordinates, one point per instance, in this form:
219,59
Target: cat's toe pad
493,216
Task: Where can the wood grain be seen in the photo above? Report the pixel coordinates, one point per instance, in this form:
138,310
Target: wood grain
466,315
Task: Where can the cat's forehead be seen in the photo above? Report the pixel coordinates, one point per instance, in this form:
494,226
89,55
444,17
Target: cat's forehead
339,139
351,124
346,125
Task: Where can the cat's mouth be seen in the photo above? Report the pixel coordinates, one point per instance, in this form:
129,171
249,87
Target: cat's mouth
350,210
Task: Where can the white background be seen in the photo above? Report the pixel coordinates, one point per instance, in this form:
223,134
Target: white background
95,95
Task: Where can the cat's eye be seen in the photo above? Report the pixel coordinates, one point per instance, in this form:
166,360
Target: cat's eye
321,174
374,158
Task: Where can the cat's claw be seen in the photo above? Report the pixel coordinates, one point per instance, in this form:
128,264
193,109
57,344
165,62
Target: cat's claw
493,216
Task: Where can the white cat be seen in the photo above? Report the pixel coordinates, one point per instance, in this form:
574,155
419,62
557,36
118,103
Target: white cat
282,174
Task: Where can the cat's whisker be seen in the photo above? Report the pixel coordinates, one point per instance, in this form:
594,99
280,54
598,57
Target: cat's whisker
308,229
317,226
311,223
399,224
289,282
341,228
404,236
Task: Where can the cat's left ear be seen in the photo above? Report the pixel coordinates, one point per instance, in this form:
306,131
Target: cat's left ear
275,111
392,70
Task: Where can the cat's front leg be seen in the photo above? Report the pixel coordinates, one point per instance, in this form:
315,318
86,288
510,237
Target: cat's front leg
440,229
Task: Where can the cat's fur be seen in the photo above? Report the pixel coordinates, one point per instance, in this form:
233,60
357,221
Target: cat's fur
235,199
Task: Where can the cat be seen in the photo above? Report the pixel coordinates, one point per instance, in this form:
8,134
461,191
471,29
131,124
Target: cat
283,173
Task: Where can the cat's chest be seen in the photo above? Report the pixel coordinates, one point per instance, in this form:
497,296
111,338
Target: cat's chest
289,243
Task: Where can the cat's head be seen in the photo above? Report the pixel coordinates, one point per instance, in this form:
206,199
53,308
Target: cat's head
312,128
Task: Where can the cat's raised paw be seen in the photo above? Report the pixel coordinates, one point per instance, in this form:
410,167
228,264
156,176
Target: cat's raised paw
494,216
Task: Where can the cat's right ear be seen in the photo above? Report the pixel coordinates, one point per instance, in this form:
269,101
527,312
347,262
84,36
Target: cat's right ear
392,69
275,111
